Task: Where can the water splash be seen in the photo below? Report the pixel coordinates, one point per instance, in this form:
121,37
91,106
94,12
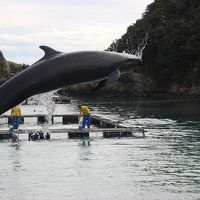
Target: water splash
141,46
134,47
46,100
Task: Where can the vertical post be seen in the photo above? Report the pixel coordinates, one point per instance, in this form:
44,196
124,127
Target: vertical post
29,137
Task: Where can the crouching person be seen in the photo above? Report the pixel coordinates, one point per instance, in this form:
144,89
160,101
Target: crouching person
16,117
85,113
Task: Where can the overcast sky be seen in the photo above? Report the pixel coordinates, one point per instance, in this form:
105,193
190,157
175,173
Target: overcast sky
66,25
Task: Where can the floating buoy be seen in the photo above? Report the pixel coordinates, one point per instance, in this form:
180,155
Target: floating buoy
41,135
34,136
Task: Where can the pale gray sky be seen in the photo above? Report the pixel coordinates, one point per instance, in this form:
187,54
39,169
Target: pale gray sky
66,25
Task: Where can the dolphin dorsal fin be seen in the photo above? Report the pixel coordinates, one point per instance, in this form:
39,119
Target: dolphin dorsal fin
49,52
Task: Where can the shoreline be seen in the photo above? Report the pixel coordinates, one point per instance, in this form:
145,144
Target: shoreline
124,97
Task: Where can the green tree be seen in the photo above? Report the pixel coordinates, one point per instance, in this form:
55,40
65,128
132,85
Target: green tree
172,28
4,67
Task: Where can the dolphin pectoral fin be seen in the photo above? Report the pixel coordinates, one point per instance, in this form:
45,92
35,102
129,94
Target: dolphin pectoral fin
99,85
113,77
49,52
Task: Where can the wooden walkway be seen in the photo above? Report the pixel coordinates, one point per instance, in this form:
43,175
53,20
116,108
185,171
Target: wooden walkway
108,127
67,130
41,115
76,133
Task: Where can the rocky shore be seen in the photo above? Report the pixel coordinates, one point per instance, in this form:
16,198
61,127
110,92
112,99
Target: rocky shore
135,86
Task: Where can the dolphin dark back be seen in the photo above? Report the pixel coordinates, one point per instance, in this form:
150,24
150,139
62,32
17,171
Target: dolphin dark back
56,70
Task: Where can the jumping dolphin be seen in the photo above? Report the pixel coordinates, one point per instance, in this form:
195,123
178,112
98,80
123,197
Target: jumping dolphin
57,69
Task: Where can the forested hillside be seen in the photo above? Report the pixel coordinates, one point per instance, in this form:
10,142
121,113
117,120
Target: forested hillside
172,53
170,32
4,68
8,68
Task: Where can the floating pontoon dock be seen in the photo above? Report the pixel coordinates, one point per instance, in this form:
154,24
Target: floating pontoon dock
108,127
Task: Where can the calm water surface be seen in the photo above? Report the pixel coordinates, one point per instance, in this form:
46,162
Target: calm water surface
164,165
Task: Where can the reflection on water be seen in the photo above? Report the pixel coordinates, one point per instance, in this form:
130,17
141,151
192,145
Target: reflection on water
85,150
164,165
15,156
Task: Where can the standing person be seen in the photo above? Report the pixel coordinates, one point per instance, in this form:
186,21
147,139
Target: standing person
85,113
16,116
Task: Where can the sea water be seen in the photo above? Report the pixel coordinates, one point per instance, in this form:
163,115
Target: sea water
164,165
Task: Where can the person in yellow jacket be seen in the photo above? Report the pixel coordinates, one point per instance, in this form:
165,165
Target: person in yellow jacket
16,116
85,113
